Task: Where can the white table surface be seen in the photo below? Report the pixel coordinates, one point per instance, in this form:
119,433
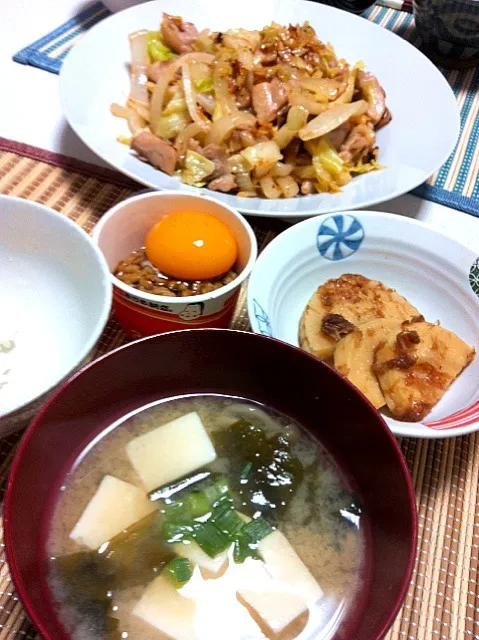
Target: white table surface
30,110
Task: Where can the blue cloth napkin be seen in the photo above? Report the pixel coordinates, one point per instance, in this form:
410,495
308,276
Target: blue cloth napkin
48,52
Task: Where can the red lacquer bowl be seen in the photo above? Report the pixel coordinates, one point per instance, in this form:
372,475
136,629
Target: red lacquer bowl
225,362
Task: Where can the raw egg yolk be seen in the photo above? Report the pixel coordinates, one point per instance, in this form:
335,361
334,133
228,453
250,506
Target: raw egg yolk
191,246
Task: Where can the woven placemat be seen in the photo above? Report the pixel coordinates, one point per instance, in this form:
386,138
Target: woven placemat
443,599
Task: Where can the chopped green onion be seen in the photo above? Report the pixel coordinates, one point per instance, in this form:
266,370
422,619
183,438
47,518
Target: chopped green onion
157,49
197,504
211,539
205,85
216,491
227,520
179,571
243,549
173,532
250,535
176,512
256,530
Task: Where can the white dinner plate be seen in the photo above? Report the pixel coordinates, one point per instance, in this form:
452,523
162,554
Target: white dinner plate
413,146
439,276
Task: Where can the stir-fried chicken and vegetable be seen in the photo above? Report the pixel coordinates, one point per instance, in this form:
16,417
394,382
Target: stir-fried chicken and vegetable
256,113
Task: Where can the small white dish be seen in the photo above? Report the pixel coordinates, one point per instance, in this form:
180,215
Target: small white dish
418,96
55,299
436,274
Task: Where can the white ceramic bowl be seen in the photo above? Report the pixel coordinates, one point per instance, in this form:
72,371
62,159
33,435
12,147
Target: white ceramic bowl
55,297
438,275
410,146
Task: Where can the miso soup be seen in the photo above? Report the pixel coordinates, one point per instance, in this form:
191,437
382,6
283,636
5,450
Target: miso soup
205,518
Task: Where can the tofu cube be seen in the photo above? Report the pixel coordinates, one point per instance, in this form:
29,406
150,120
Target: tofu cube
277,609
164,607
284,564
196,555
115,506
171,451
275,601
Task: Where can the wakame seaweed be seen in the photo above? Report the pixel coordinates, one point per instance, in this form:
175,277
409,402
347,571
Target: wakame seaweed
89,578
265,472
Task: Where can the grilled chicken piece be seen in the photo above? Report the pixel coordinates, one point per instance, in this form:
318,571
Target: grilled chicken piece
159,152
354,354
355,298
339,135
219,156
374,94
157,69
224,183
386,119
177,34
361,138
268,99
243,98
416,365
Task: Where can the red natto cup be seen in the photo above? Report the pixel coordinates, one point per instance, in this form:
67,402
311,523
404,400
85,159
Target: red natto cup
123,229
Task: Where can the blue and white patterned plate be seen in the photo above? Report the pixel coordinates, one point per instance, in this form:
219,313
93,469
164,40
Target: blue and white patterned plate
438,275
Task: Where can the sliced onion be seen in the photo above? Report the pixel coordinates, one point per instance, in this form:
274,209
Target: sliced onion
185,136
225,100
139,47
220,129
300,99
238,164
141,108
241,39
139,64
139,90
206,102
325,89
270,188
118,110
297,118
200,71
288,186
246,194
298,62
281,170
306,172
331,119
190,97
135,122
204,41
158,96
244,182
245,57
284,136
347,94
247,138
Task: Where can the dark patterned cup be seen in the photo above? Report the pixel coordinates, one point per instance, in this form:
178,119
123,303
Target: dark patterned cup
449,30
